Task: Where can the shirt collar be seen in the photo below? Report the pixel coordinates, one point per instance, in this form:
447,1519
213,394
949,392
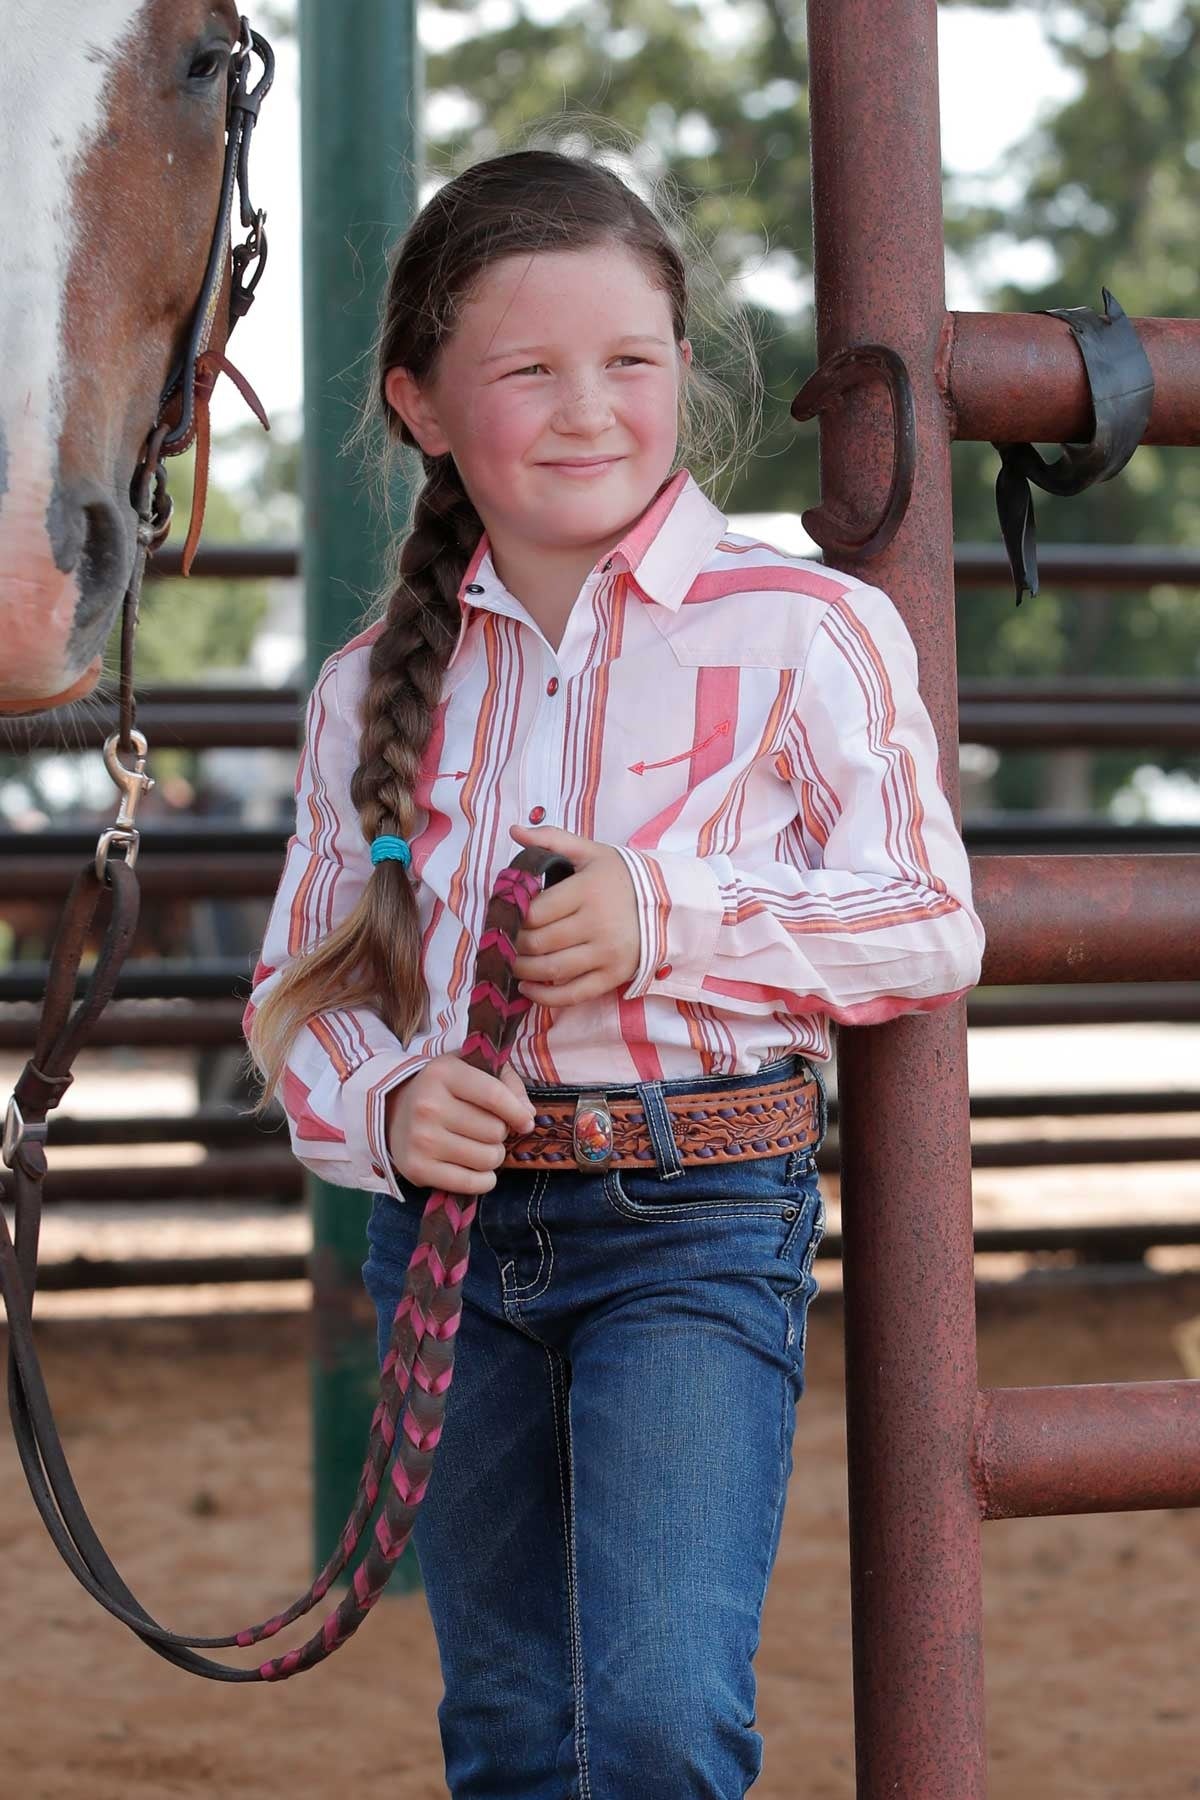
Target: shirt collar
662,552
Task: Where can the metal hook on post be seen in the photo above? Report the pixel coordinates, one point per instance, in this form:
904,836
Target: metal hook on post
850,368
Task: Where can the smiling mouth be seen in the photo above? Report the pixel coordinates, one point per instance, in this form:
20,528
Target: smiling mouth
588,462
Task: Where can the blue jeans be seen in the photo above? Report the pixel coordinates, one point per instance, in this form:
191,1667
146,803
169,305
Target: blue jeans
606,1500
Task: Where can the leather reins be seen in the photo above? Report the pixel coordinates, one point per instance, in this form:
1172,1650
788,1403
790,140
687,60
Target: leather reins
417,1369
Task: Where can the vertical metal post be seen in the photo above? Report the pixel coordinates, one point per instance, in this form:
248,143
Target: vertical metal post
909,1294
359,102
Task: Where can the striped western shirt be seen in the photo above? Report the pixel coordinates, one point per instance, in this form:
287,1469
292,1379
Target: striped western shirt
743,726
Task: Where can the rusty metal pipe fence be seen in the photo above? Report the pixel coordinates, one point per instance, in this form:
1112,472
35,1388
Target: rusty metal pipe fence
197,858
930,1456
202,859
1057,715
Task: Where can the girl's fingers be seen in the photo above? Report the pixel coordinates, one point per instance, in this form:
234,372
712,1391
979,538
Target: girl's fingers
471,1122
502,1098
454,1180
568,993
461,1166
469,1153
556,966
555,935
552,912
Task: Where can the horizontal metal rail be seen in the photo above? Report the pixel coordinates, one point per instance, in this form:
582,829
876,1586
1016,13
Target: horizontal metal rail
1016,378
1037,724
1099,566
1112,1245
83,1274
1110,1447
1133,1003
1088,918
1037,1153
1049,919
162,875
149,978
218,1126
264,1174
219,981
195,1024
245,861
274,1174
975,565
1140,716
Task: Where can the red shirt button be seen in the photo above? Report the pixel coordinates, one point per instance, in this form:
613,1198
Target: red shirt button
662,971
552,685
537,815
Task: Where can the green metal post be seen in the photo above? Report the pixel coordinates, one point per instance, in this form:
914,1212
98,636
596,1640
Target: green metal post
359,81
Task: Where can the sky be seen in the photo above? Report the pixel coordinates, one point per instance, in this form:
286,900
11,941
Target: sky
998,75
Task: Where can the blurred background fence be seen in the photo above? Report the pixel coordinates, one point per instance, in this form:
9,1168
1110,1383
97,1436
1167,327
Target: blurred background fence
1070,151
214,838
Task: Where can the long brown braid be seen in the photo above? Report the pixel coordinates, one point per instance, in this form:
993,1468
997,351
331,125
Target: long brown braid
373,957
521,203
408,661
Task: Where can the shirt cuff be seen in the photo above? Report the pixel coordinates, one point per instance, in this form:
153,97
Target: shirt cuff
680,911
364,1095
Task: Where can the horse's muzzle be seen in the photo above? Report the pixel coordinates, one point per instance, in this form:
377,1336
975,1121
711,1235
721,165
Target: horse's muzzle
15,708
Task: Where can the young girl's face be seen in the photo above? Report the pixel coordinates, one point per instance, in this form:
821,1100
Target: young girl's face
557,396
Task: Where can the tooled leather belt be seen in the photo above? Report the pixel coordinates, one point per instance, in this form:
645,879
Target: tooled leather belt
720,1125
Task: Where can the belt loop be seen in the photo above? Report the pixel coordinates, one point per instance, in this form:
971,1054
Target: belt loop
815,1074
658,1123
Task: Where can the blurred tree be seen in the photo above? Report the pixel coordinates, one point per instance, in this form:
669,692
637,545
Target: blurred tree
716,95
1106,185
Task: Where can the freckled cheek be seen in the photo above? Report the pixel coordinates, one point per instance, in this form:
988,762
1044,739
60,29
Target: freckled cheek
655,421
505,432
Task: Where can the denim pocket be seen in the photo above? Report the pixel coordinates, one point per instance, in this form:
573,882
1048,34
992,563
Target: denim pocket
762,1184
805,1213
799,1251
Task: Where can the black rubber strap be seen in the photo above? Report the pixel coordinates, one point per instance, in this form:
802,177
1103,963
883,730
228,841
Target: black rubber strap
1121,382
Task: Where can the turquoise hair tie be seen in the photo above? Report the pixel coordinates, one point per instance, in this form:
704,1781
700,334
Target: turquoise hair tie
390,849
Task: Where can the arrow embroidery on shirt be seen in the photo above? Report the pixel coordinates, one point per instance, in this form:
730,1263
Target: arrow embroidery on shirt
721,730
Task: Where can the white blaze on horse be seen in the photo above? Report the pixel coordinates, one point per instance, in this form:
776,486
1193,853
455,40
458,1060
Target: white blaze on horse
112,153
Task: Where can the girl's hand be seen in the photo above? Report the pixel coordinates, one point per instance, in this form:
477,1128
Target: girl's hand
581,937
448,1125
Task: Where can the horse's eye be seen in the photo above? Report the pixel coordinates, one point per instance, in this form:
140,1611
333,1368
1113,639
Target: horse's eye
206,65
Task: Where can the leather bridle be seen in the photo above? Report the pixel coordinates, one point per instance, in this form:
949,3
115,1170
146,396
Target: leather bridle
231,278
416,1373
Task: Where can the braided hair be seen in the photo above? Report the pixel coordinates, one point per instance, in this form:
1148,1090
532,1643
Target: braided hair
520,203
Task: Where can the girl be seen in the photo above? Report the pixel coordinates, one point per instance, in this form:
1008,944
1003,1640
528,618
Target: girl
728,745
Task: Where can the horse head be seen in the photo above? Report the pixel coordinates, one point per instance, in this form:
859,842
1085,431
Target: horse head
112,151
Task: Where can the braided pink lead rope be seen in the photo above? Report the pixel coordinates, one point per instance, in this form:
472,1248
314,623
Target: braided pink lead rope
419,1364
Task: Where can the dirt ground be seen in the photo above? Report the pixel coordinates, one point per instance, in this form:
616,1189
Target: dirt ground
189,1438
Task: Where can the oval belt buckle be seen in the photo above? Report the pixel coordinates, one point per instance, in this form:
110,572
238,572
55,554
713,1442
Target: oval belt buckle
592,1137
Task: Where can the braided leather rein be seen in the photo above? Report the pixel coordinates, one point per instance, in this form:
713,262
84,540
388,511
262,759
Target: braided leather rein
416,1372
